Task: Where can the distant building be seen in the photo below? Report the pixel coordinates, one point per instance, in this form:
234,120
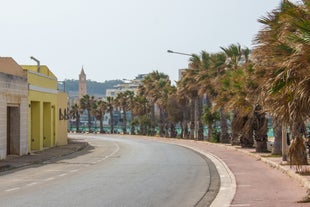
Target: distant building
181,72
82,84
130,85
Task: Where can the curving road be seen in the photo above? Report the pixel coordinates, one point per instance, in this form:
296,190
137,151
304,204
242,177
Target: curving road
116,172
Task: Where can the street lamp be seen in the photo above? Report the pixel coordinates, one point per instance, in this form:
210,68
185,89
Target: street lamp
38,62
179,53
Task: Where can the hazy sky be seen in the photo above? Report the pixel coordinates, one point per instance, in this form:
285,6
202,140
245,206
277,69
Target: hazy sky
116,39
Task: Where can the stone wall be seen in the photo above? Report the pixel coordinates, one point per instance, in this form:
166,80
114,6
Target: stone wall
13,95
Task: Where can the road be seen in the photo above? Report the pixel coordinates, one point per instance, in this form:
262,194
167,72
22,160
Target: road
115,172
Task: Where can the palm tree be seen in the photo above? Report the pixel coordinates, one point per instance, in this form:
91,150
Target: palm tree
140,110
110,108
99,109
282,55
75,114
86,103
123,100
213,67
154,87
187,87
184,102
175,112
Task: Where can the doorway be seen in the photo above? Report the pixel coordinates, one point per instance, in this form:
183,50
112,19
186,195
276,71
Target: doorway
13,130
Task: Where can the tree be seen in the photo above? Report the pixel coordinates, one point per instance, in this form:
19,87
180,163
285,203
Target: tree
110,109
75,114
124,101
189,86
140,110
235,86
154,87
282,56
86,103
213,67
174,111
209,117
99,109
184,103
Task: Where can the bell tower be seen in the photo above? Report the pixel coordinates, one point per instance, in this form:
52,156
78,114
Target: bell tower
82,84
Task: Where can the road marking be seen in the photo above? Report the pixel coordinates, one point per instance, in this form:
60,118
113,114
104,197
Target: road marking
114,152
240,205
63,174
73,171
31,184
49,179
12,189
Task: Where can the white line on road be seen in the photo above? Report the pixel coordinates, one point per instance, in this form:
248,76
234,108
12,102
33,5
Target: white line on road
75,170
49,179
31,184
12,189
63,174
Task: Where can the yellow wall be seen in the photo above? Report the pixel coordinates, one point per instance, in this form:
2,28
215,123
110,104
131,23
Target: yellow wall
43,130
62,119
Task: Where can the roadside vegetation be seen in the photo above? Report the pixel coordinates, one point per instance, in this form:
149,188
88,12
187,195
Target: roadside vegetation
232,93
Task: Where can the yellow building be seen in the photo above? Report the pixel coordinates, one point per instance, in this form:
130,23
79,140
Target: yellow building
48,113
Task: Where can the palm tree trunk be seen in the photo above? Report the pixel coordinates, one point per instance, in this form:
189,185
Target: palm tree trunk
235,133
112,122
89,121
124,121
210,131
198,118
173,132
297,150
277,144
152,120
260,130
101,124
184,133
192,122
224,128
77,123
246,139
161,123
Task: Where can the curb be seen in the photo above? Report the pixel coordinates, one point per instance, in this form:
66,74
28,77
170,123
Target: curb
41,159
228,181
300,179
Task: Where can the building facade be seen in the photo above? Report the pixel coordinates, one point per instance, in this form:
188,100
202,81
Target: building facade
47,109
13,108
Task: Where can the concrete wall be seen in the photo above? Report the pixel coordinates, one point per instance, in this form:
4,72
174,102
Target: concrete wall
13,106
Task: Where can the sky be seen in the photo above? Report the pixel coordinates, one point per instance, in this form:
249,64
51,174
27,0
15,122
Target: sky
119,39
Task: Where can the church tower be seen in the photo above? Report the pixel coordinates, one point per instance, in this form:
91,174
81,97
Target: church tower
82,84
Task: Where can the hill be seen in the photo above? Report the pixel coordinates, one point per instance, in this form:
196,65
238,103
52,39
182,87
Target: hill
94,88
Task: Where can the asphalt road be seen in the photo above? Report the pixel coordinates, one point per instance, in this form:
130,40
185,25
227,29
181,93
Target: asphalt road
115,172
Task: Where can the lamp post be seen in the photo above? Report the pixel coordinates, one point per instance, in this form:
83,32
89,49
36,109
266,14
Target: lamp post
195,100
38,62
179,53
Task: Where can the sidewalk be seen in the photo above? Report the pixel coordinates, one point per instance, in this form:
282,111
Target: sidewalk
260,179
273,161
14,161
